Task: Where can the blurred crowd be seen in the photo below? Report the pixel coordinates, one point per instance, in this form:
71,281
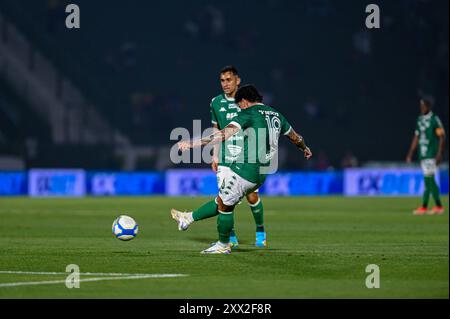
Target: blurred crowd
315,60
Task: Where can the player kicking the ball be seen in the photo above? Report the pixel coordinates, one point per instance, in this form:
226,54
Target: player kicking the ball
223,110
430,137
261,126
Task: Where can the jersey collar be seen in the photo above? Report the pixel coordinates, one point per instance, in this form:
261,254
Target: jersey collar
230,99
428,115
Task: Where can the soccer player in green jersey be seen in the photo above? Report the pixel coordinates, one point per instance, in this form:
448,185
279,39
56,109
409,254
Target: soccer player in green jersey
429,138
223,110
261,126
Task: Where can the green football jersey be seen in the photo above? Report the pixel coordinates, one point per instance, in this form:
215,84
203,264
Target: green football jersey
427,129
261,126
223,111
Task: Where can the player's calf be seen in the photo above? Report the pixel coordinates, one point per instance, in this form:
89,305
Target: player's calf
257,209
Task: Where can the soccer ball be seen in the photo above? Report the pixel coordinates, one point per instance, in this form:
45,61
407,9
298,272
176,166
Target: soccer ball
125,228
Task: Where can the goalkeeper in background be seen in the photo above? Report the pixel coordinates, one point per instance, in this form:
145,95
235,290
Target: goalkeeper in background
429,138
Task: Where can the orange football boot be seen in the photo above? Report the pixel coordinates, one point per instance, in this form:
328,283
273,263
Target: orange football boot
420,211
436,210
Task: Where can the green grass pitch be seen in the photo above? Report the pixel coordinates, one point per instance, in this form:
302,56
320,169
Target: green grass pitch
318,247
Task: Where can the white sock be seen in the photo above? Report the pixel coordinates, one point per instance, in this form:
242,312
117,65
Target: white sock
223,245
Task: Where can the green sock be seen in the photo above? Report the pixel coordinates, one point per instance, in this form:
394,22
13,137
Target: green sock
225,223
435,191
233,233
426,193
258,215
206,211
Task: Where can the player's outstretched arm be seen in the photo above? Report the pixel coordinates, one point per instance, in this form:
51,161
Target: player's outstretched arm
215,138
215,156
299,141
412,148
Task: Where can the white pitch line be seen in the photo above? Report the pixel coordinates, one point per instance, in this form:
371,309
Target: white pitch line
52,282
66,273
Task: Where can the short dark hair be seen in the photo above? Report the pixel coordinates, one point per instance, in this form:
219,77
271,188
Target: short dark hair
248,92
229,68
428,100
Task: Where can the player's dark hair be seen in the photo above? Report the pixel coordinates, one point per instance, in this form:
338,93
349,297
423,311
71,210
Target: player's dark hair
229,68
248,92
428,100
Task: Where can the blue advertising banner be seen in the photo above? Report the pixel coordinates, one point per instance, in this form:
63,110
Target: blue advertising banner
388,182
56,183
191,182
296,183
13,183
444,182
204,182
130,184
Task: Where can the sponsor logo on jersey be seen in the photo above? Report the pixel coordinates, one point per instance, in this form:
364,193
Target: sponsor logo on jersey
234,149
231,115
264,112
223,101
236,138
233,106
222,109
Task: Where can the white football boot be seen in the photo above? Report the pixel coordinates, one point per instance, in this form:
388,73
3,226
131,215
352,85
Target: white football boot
218,248
182,218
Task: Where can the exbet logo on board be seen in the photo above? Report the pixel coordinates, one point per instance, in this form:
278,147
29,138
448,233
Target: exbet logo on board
73,19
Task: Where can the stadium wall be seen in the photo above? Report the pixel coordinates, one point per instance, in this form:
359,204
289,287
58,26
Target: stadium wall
197,182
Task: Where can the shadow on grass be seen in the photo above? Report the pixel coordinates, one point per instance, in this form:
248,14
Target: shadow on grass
212,240
132,254
202,239
255,250
244,246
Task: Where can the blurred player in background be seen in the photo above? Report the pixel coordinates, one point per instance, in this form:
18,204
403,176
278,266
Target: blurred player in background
429,137
246,174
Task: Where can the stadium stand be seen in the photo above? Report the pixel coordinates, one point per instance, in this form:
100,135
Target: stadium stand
138,77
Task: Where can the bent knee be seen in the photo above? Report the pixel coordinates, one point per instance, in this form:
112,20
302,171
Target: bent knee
252,198
222,206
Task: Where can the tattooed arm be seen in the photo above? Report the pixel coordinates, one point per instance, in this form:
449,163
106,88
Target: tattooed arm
298,141
215,138
216,150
